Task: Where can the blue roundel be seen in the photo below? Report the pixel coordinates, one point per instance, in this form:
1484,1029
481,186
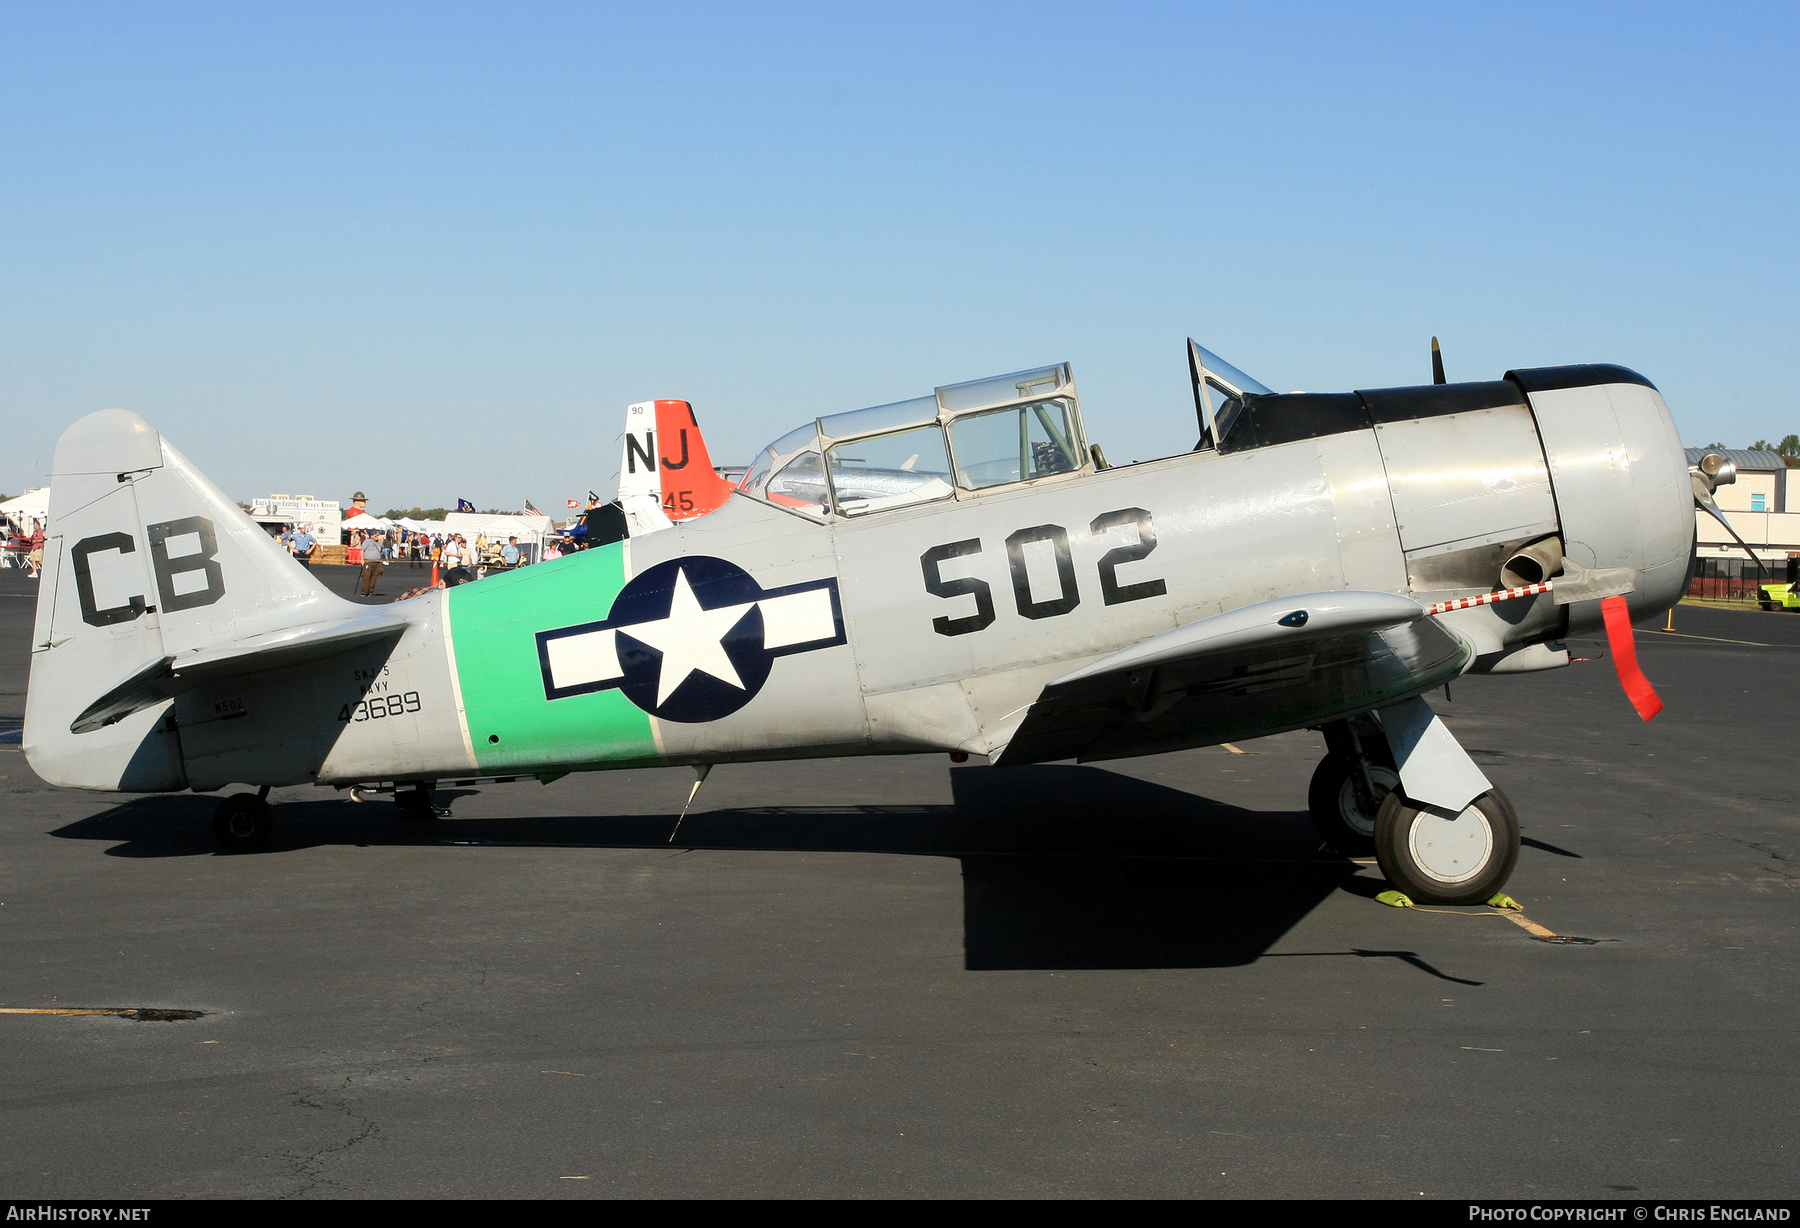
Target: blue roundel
716,584
691,640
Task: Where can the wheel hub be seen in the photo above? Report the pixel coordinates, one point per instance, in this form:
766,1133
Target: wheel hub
1451,850
1361,821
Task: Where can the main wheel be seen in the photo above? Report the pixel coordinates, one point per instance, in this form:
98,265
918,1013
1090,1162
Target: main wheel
1439,860
243,823
1343,822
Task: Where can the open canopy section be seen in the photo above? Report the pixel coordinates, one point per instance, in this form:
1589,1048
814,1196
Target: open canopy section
1219,392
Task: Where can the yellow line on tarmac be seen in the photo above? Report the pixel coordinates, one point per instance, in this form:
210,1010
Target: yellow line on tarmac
1228,746
1527,924
1715,639
60,1010
142,1013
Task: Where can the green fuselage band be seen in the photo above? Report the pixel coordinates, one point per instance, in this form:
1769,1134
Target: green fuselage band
494,625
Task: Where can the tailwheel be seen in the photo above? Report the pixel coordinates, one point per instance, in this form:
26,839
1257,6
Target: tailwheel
1344,802
1439,859
243,823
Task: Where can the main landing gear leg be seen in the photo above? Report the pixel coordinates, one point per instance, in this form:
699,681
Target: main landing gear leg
244,822
1350,784
1430,843
418,802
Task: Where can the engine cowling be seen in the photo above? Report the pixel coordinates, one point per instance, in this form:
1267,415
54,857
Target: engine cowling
1620,478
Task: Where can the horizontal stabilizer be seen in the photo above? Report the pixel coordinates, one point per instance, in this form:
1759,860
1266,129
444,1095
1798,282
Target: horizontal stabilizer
170,676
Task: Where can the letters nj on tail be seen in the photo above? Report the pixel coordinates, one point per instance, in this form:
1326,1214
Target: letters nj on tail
665,473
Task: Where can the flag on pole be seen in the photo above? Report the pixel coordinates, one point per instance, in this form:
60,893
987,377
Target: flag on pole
463,505
530,510
574,502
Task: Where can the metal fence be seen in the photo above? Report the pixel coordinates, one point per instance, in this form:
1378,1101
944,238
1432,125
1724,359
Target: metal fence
1738,579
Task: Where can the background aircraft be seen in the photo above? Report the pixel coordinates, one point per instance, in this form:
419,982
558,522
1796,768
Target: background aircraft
961,572
665,471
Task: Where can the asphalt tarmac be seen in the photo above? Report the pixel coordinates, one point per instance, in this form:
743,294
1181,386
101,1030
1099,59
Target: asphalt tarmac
892,977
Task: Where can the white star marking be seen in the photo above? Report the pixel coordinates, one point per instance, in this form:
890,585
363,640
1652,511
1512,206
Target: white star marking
691,640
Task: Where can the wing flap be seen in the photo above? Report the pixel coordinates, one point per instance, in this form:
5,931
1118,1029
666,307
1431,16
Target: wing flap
1247,673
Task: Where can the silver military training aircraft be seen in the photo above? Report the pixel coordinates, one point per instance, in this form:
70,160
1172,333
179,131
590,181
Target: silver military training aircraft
962,573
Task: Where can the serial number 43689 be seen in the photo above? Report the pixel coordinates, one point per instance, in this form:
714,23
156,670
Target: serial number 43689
376,707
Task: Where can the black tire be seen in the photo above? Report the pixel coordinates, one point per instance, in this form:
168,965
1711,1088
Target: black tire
243,823
1767,605
1441,862
1331,799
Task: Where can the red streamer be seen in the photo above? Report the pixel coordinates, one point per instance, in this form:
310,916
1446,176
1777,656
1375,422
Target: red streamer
1638,690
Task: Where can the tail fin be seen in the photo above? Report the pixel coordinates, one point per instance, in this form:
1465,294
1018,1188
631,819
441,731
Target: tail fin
665,473
146,561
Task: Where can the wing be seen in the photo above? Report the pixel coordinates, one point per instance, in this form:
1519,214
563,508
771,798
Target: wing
1261,669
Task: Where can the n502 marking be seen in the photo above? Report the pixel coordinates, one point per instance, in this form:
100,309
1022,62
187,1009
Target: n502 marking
1068,594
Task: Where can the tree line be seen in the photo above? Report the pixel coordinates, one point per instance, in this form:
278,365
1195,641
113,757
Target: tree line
1788,449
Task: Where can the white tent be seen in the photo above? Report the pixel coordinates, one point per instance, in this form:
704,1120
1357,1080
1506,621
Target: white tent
22,510
501,526
530,530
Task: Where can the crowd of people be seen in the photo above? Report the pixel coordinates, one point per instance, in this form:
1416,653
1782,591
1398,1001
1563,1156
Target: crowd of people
447,552
451,555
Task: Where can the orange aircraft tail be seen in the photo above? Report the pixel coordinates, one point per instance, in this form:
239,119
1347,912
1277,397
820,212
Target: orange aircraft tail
666,460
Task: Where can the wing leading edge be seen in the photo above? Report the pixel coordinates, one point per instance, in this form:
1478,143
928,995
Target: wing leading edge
1261,669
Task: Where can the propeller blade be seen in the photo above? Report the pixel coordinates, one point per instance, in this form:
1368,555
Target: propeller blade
1704,501
1437,364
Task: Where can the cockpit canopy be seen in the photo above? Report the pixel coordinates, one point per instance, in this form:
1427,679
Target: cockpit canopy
988,433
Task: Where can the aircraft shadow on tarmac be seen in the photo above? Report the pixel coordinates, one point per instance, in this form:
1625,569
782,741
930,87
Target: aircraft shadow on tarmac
1063,867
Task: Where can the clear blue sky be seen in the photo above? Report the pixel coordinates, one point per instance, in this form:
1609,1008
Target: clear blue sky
432,251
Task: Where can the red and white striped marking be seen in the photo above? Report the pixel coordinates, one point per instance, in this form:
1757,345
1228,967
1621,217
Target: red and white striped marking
1465,603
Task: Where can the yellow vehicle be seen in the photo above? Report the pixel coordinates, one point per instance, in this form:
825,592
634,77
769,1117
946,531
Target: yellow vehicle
1786,595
